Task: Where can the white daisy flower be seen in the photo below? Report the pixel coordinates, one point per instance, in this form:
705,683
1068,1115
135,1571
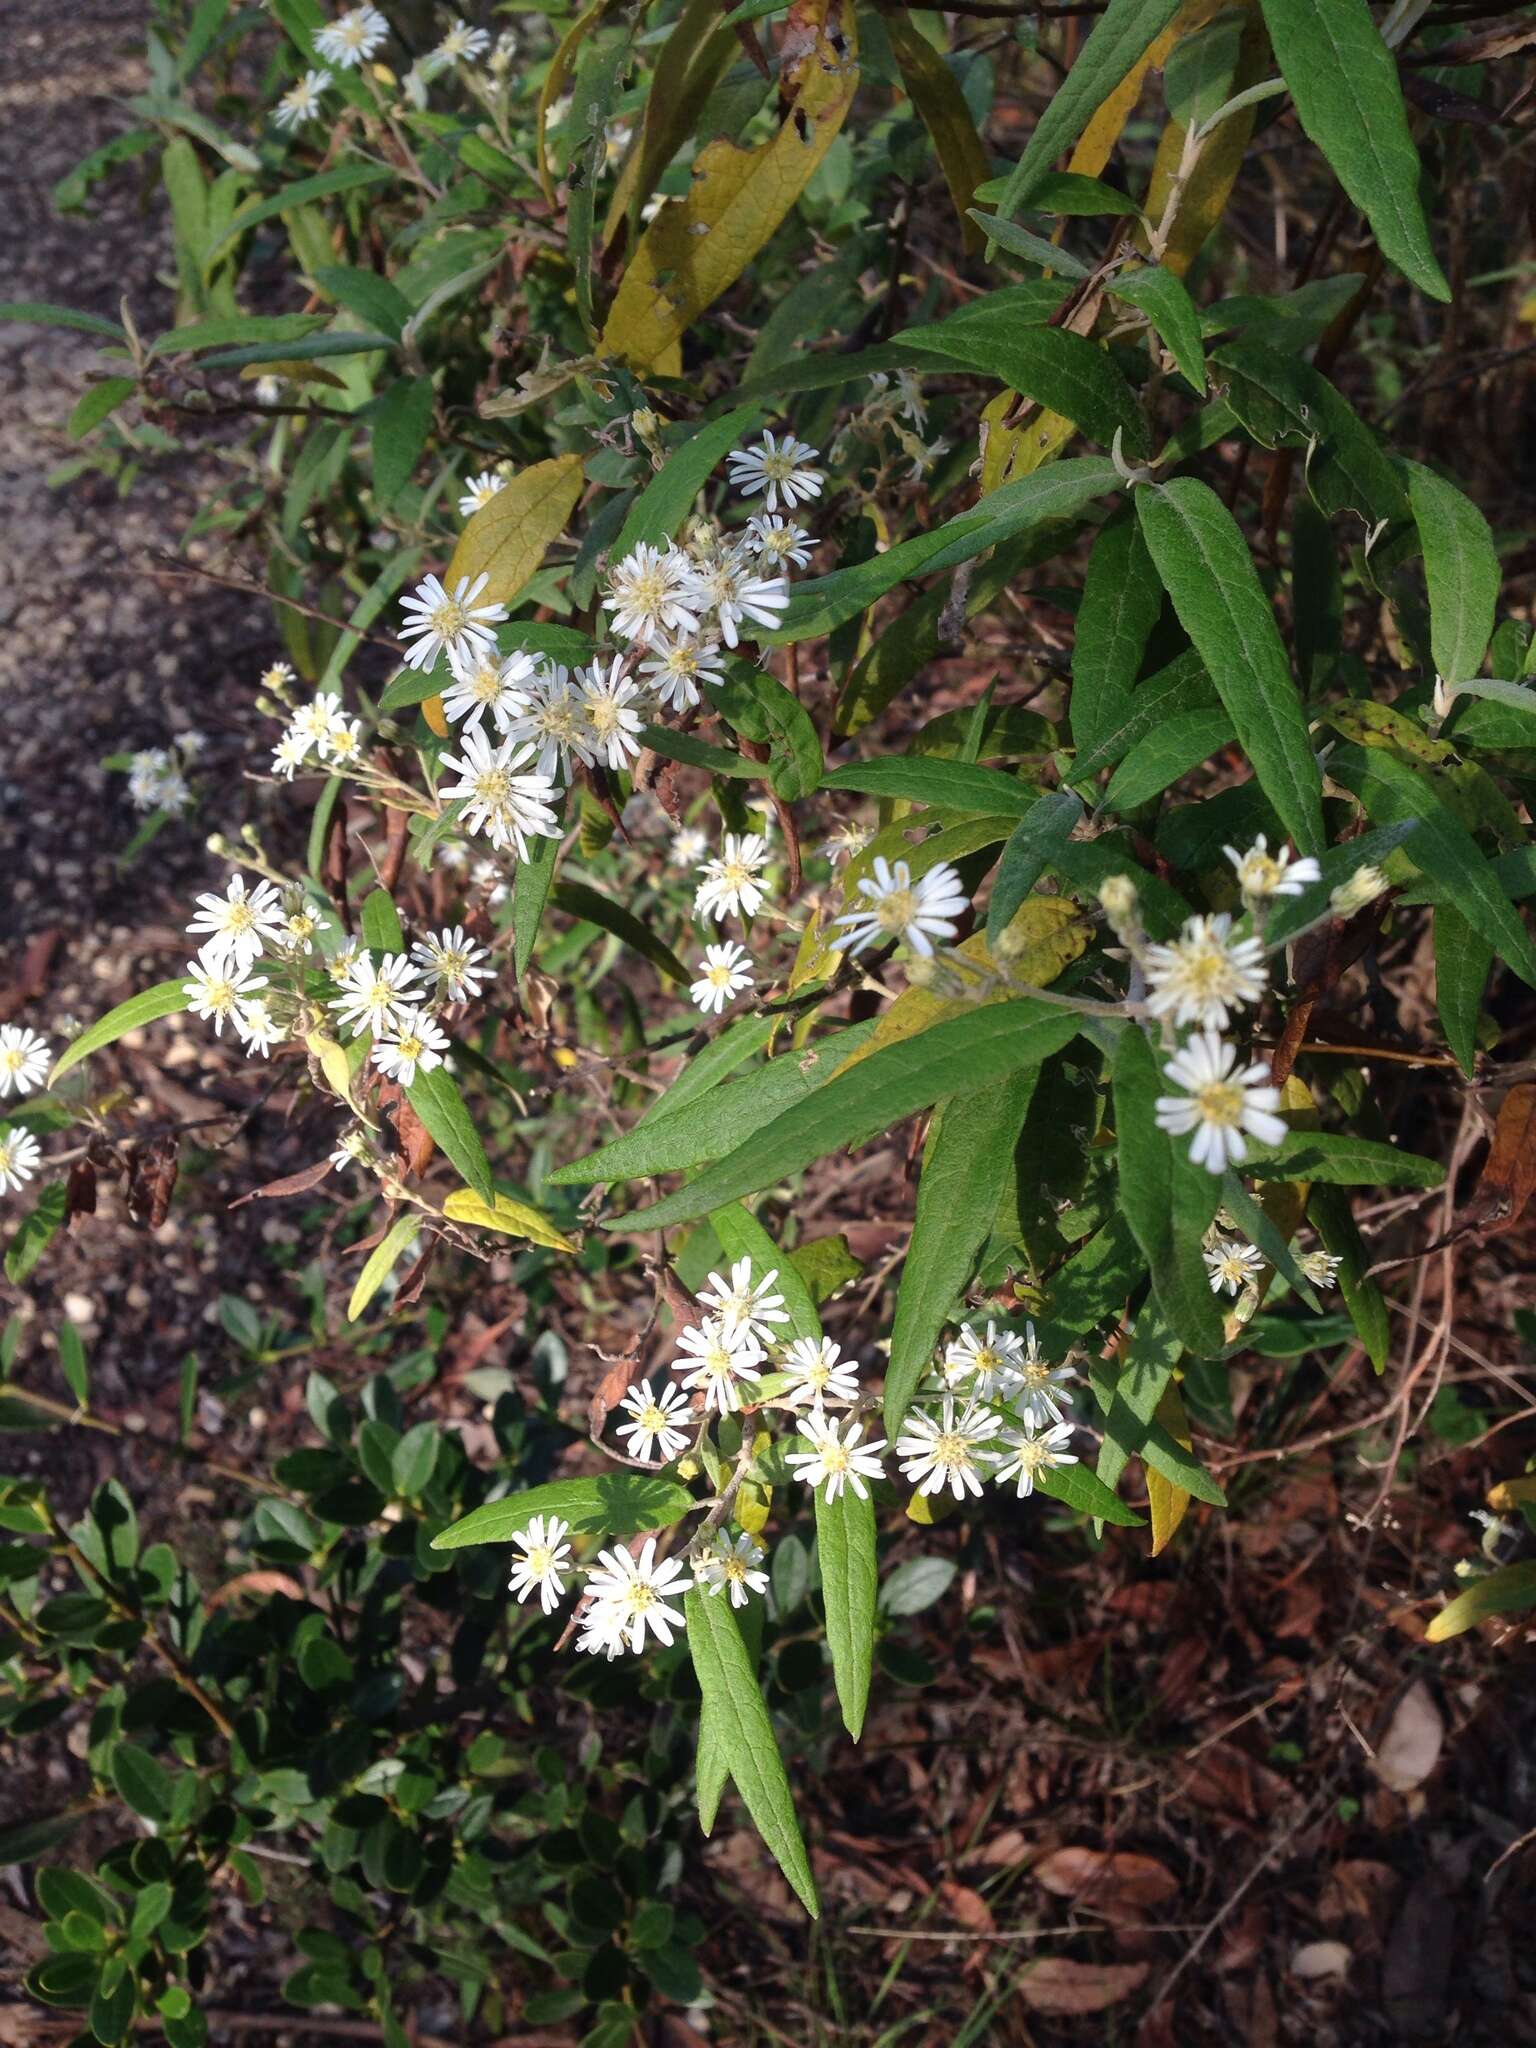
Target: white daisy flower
352,1149
1322,1268
313,723
743,1303
821,1374
463,44
836,1461
288,755
342,746
555,722
1041,1387
730,885
24,1060
217,988
651,592
896,907
951,1451
984,1367
778,467
416,1044
453,856
634,1592
489,684
280,675
722,1358
607,705
1030,1452
731,590
237,925
351,37
600,1633
1262,874
690,843
256,1027
376,998
676,668
146,769
658,1420
1205,974
724,974
779,541
479,491
455,626
733,1565
1223,1104
298,934
1232,1264
191,743
301,102
173,792
502,792
452,959
541,1561
19,1156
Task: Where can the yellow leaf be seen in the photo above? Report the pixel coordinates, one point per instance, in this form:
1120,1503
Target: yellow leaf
935,92
1166,1502
507,539
754,1499
688,67
1513,1493
1204,198
1050,932
1011,452
517,1219
814,957
560,67
332,1058
402,1233
700,244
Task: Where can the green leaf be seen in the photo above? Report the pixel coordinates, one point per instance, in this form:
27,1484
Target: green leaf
1509,1590
165,999
1059,369
535,879
1291,914
739,1725
415,1459
1007,234
1057,492
1035,843
1443,848
600,65
36,1231
1121,36
313,350
743,1237
1330,1213
401,421
917,1585
25,1840
1343,79
1169,750
1285,403
708,1128
347,178
1206,569
966,1168
1343,1160
1076,1487
37,313
757,705
713,1063
845,1545
1163,1200
402,1233
97,403
239,327
382,932
947,785
113,2002
1463,962
146,1785
667,499
950,1058
1200,73
1182,686
579,899
371,298
605,1504
1255,1223
77,1375
1166,303
399,566
1067,192
436,1100
693,752
1461,567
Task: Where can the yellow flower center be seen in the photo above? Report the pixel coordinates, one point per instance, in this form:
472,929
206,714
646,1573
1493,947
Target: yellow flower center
834,1457
540,1558
652,1419
734,1568
779,466
449,620
896,911
1220,1102
221,994
411,1048
485,684
718,976
951,1450
493,787
1033,1452
640,1597
10,1060
1260,874
238,917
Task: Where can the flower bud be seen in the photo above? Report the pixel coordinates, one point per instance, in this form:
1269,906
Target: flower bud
1118,898
1363,886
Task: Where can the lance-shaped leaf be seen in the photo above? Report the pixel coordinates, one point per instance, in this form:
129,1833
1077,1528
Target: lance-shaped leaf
508,1215
1057,368
948,785
579,899
1463,962
506,539
1207,571
1509,1590
535,879
1330,1212
952,1058
1122,597
1035,842
1168,1202
401,1233
966,1168
436,1100
935,92
1121,36
165,999
606,1504
1461,568
741,1729
1285,403
1158,294
1181,742
699,244
1343,79
668,498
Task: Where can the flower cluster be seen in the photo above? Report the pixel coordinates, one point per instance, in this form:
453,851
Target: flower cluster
157,776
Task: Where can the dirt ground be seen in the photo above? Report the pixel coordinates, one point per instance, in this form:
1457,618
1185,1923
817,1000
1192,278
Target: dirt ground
1234,1775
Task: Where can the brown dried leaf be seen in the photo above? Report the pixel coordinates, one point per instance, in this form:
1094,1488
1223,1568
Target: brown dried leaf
967,1908
1509,1172
80,1190
256,1582
1112,1880
1058,1985
152,1172
609,1391
416,1143
298,1183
